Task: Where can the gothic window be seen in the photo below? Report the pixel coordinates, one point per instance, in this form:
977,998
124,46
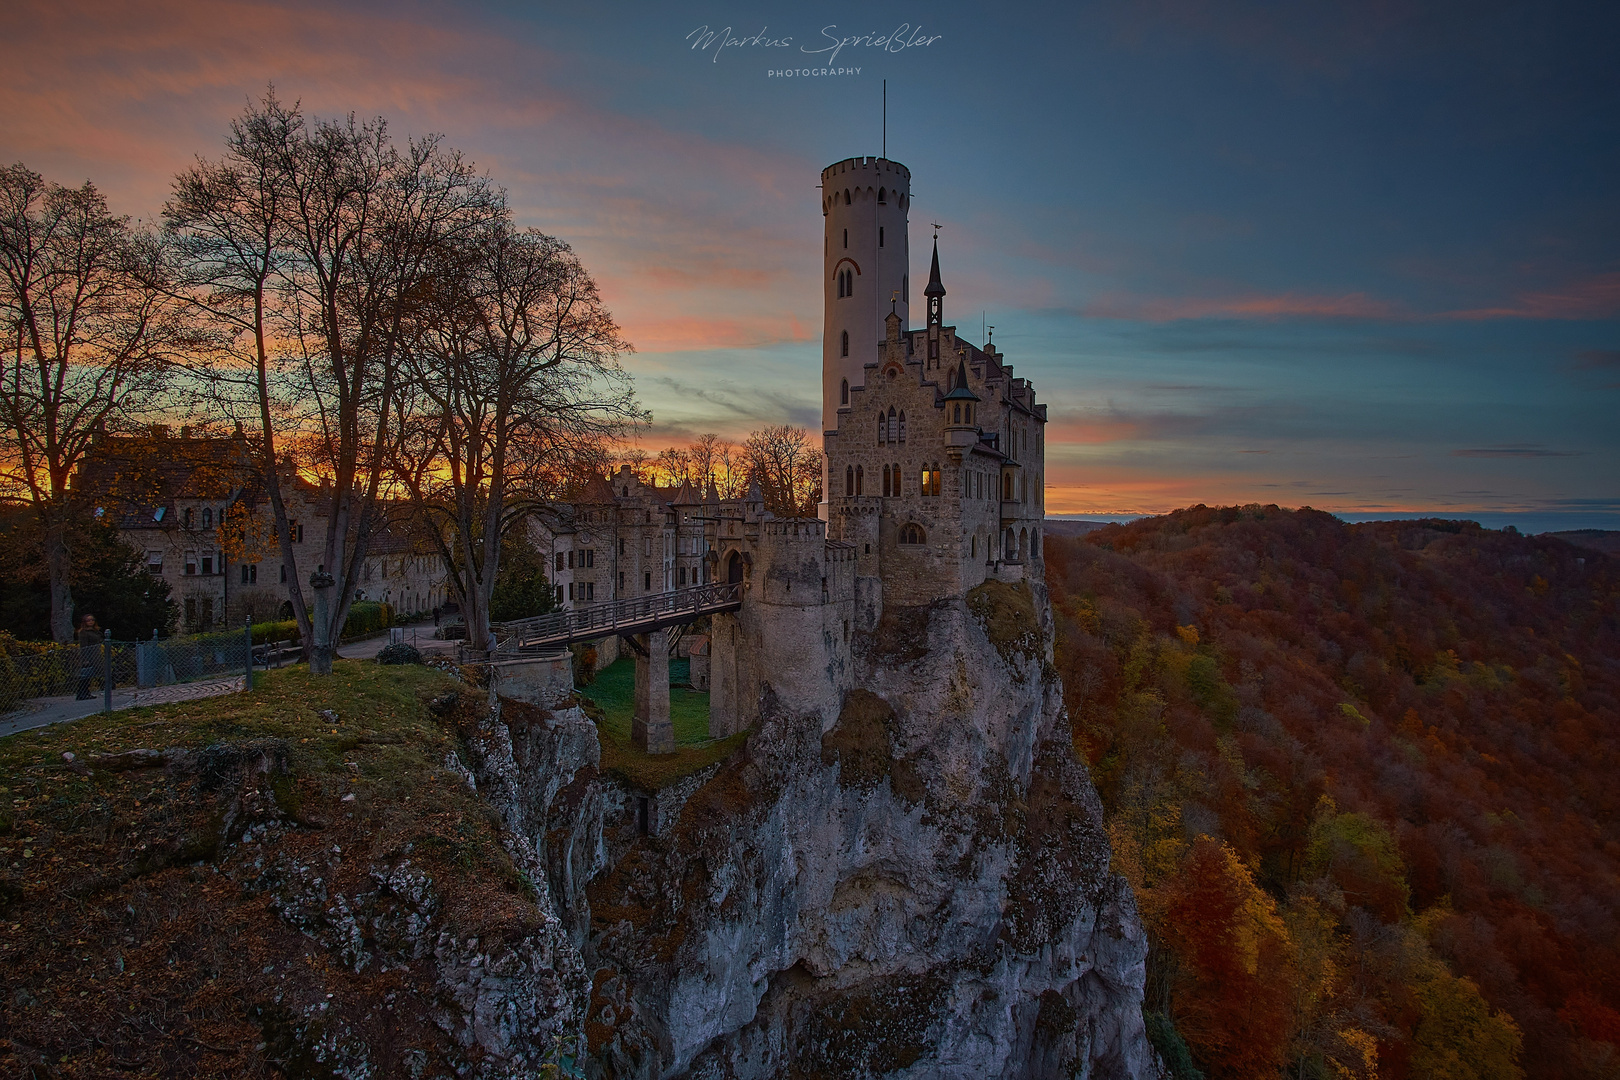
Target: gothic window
1035,544
894,429
880,236
843,344
846,238
956,414
1023,541
860,478
188,517
883,195
846,203
208,518
883,428
902,425
913,534
849,480
843,392
886,492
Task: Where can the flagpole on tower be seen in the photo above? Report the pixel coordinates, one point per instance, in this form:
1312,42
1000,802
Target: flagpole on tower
885,119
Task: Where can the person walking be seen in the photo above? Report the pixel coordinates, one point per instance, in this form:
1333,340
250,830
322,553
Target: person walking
89,645
435,616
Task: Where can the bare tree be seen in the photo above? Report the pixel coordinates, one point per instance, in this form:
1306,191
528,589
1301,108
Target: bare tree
89,334
308,245
514,390
788,468
675,465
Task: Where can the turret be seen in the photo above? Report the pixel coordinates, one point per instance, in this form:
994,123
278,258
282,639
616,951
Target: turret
936,307
864,202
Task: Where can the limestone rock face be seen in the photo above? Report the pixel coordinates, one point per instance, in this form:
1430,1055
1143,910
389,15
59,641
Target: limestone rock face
916,885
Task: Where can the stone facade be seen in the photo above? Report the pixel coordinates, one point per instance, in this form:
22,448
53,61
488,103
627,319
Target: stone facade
197,508
935,470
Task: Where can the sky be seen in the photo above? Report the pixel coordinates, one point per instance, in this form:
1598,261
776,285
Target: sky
1363,257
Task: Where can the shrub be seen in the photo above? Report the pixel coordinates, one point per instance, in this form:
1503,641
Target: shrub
399,653
368,617
265,633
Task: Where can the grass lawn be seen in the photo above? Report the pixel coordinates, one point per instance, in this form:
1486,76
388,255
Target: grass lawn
615,691
611,699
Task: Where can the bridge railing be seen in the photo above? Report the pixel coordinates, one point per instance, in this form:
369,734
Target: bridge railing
630,615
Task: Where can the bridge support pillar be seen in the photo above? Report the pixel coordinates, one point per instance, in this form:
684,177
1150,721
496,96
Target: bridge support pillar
725,691
650,726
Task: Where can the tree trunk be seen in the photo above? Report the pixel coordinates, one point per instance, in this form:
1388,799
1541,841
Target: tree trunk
58,562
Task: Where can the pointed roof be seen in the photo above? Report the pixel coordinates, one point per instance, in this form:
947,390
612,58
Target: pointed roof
961,392
754,494
935,286
711,496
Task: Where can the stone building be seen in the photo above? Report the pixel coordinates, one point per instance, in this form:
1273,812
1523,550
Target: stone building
933,484
196,506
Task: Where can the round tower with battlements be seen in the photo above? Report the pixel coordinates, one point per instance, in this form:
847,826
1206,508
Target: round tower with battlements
864,202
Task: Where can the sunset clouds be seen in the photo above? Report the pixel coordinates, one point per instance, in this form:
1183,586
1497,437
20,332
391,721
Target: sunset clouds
1326,255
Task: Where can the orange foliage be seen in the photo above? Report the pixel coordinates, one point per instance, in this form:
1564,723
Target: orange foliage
1456,690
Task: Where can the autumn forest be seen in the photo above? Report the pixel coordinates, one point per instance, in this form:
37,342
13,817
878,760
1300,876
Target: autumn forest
1361,778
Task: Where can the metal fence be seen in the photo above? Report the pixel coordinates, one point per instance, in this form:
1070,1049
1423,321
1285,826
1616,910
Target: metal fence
94,673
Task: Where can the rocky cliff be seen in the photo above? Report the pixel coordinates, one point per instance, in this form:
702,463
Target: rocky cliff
914,886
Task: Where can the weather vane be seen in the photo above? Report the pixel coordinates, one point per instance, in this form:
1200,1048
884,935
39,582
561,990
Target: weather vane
937,226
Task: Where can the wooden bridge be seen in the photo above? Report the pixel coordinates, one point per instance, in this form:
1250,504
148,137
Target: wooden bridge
629,618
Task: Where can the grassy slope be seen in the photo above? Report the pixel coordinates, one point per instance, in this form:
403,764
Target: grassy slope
129,944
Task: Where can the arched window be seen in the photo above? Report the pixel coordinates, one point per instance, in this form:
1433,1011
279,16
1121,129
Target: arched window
1010,548
208,517
844,346
846,238
969,413
860,480
902,425
846,203
840,278
956,413
913,534
883,428
880,236
849,480
1035,544
974,553
885,481
894,429
883,195
843,391
1006,487
1023,540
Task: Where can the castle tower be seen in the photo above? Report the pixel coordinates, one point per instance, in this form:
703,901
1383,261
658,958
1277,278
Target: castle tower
865,251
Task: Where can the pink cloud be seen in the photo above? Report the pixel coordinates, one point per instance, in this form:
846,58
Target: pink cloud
1253,306
1593,298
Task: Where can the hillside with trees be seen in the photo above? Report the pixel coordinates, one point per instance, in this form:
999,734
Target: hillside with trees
1362,779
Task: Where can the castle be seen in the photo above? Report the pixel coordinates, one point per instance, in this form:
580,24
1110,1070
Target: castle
933,484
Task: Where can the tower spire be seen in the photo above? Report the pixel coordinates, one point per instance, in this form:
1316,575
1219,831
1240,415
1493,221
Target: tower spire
935,292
